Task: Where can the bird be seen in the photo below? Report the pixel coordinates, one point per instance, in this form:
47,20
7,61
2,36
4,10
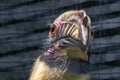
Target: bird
70,36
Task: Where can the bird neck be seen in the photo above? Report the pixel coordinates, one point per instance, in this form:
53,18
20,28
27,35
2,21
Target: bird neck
75,53
70,52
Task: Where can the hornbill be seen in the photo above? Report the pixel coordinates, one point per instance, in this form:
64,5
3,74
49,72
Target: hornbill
66,59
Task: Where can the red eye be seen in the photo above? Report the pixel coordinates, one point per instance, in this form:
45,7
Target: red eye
52,29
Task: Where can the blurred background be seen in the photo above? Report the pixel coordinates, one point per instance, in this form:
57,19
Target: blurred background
24,26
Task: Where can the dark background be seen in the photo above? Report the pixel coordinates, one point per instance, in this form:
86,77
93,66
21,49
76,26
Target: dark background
24,26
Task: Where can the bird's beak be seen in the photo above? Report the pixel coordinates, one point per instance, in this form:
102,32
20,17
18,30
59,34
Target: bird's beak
75,34
69,34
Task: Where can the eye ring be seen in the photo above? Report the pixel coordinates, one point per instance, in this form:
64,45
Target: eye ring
52,29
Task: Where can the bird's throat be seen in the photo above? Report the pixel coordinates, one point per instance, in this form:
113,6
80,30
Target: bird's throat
70,52
75,53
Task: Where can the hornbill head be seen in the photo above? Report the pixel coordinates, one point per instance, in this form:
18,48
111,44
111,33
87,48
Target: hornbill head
72,33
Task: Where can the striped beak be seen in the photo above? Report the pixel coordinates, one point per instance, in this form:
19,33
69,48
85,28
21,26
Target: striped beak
69,34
